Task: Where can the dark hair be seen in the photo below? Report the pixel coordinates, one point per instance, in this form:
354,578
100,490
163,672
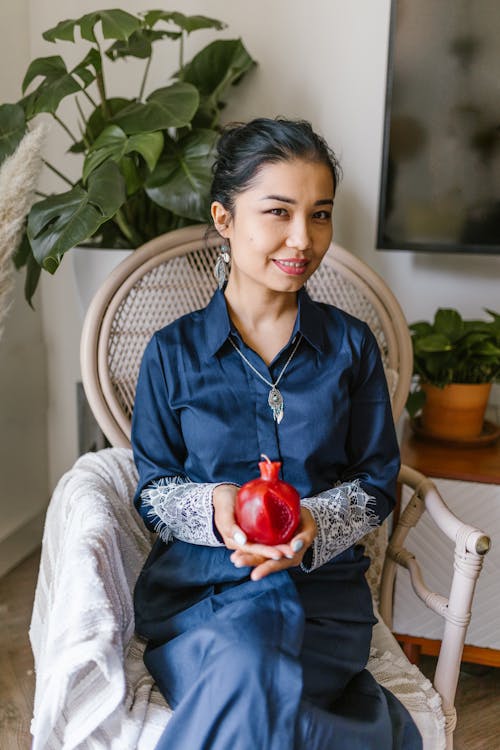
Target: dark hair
244,148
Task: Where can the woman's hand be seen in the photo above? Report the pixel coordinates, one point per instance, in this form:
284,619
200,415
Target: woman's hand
223,500
263,558
290,555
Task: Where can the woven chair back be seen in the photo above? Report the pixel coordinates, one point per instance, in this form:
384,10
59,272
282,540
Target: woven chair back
173,275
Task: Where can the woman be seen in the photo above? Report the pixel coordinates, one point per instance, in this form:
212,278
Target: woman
258,647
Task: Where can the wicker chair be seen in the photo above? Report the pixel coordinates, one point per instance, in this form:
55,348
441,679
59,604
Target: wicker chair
172,275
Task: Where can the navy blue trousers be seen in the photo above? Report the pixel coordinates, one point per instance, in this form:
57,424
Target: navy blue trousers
276,664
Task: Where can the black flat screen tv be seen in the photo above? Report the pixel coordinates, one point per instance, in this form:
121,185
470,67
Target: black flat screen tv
440,182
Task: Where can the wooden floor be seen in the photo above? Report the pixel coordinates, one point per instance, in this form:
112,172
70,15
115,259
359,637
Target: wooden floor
17,680
478,697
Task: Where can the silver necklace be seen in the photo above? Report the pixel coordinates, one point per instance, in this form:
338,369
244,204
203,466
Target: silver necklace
275,399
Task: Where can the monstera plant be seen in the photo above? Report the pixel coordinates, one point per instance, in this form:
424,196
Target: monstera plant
145,158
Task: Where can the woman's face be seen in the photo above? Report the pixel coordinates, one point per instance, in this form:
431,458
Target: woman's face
281,226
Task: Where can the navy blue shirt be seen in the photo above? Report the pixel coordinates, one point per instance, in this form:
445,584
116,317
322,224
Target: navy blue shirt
202,414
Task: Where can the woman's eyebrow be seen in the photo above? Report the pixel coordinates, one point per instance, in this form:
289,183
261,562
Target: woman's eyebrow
284,199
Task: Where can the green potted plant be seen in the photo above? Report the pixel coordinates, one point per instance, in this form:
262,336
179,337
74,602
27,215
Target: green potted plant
455,363
146,158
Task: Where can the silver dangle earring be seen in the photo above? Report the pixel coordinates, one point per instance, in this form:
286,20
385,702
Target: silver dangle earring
221,270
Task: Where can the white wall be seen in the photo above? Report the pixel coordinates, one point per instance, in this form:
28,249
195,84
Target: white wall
23,379
323,60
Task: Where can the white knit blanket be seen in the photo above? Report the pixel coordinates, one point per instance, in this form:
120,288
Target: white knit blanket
92,689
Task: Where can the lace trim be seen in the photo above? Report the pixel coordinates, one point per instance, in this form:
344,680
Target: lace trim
182,509
343,517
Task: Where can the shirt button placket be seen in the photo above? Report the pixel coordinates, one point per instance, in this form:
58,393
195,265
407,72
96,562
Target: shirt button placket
267,428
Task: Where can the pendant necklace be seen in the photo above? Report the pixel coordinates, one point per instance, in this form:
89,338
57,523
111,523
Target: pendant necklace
275,399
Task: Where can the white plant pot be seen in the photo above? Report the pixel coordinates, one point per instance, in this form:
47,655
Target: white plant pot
91,267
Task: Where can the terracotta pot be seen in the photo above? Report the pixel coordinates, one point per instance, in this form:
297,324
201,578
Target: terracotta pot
455,411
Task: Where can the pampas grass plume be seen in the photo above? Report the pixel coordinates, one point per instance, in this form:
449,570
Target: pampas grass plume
18,180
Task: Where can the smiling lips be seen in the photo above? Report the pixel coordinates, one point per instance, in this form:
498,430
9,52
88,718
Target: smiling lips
292,266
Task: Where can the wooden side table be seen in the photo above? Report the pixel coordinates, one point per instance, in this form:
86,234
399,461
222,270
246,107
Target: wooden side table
469,480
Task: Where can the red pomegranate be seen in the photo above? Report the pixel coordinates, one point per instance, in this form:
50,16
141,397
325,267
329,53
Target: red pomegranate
268,509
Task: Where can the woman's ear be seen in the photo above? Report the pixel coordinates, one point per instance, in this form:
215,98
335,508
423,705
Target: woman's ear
221,218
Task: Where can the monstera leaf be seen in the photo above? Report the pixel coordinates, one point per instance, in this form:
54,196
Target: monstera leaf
60,222
219,65
139,44
186,23
97,122
116,24
169,107
57,83
12,128
181,181
113,143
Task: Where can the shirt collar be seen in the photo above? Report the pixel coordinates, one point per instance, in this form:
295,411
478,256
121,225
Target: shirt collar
218,324
309,322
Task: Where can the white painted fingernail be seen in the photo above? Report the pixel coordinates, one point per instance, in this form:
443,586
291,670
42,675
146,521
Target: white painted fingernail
289,557
297,544
237,564
240,538
277,557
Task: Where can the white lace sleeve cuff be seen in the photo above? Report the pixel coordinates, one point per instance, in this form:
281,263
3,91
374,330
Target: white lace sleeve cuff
182,509
343,517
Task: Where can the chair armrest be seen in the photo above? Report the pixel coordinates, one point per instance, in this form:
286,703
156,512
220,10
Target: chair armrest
471,545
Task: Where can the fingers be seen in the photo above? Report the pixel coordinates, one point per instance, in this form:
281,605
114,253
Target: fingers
223,501
290,559
233,536
262,550
269,566
263,565
254,554
246,559
293,552
303,538
307,530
